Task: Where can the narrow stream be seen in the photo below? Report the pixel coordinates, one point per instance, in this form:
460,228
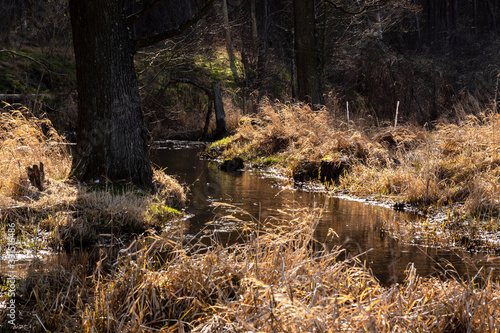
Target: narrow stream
358,224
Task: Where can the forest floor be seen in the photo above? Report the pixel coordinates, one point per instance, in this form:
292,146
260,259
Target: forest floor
276,282
450,173
70,214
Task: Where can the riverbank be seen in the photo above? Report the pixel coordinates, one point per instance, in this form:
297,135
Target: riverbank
449,173
281,280
51,211
276,282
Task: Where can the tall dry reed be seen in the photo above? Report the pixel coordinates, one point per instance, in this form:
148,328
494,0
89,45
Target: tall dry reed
279,280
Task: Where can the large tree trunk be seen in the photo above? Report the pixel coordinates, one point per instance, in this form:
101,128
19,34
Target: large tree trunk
111,136
308,76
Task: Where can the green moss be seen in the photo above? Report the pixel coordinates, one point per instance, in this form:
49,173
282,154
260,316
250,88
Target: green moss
221,143
270,160
218,146
160,213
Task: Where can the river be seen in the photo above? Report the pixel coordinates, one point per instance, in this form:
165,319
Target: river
360,225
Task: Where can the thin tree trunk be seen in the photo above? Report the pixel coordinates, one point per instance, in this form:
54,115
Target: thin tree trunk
24,19
474,4
419,32
293,72
492,14
455,14
229,45
111,135
308,77
262,60
255,32
207,120
432,20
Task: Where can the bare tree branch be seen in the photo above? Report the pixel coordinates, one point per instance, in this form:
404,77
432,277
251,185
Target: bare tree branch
209,92
131,19
30,58
361,11
144,42
189,81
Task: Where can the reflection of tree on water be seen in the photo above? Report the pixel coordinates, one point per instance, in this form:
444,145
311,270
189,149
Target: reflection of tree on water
393,257
352,248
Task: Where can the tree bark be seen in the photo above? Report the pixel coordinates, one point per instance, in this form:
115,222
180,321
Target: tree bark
220,117
262,56
111,135
229,45
308,76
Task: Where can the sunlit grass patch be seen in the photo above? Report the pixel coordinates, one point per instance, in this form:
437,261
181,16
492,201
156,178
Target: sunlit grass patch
217,65
454,166
64,214
280,280
26,141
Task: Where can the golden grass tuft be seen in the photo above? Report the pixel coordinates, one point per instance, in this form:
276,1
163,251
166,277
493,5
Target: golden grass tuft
71,214
24,141
279,280
168,189
452,164
299,136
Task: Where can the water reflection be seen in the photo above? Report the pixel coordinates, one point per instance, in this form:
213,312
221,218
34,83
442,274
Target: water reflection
359,226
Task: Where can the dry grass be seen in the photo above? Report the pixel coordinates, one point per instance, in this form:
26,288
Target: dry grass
274,282
452,164
452,167
26,141
299,135
70,214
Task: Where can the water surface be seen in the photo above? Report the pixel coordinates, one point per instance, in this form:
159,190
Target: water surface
359,225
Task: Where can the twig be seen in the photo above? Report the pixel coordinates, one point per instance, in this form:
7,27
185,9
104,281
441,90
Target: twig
347,105
396,117
30,58
46,330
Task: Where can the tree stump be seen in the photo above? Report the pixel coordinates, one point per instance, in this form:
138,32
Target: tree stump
220,117
36,175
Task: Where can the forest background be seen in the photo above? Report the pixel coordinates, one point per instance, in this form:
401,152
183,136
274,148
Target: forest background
432,67
429,61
